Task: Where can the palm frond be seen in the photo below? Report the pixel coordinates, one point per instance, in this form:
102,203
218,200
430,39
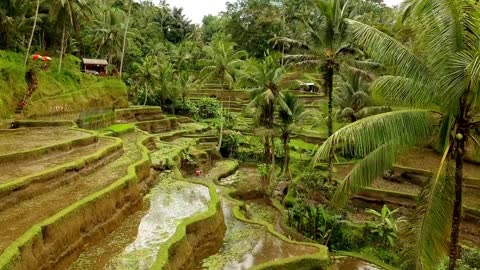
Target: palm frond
406,127
366,171
477,142
432,219
397,90
389,51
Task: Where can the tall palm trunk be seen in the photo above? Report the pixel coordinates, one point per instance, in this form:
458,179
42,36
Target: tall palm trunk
33,32
125,38
329,85
457,205
286,150
62,48
220,138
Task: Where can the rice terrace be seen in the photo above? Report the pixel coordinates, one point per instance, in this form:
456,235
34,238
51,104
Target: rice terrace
241,134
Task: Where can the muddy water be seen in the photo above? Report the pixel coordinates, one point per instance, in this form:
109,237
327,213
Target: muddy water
136,243
247,245
349,263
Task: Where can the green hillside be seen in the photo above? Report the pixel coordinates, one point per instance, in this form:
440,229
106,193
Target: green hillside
57,92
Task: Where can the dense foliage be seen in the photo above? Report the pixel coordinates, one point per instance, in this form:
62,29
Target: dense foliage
403,77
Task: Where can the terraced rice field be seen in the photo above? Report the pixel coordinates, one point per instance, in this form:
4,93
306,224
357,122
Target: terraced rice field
26,213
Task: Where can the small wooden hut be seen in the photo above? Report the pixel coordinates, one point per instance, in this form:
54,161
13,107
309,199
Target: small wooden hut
95,66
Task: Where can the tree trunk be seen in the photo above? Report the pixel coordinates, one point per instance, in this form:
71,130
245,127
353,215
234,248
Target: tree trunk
329,84
61,49
457,205
220,138
146,95
286,149
125,38
33,32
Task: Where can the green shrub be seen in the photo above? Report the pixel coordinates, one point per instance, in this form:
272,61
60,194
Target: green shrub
208,108
347,237
470,259
12,82
185,107
230,144
385,228
385,255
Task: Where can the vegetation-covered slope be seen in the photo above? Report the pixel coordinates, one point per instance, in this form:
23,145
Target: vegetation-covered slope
57,92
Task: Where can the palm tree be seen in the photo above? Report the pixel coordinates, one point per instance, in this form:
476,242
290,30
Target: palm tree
166,85
146,76
33,32
67,13
351,94
325,41
265,79
222,63
12,20
441,81
124,45
108,32
288,116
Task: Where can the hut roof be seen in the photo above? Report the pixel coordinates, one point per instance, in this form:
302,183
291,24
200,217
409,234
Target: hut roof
101,62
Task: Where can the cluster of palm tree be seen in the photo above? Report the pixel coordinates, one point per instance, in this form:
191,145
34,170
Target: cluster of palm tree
89,28
436,76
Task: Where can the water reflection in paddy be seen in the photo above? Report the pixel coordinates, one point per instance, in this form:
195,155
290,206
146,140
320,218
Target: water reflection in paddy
170,203
247,245
349,263
136,243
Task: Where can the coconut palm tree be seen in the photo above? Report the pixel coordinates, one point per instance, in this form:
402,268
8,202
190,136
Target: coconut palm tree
441,81
67,14
12,21
351,93
124,43
108,32
166,82
33,31
265,79
288,116
146,76
222,62
325,43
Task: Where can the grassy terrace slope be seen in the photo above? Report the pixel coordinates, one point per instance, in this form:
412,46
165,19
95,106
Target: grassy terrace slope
47,204
57,92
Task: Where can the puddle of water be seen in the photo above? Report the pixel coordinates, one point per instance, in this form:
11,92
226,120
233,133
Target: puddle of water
169,204
135,245
247,245
349,263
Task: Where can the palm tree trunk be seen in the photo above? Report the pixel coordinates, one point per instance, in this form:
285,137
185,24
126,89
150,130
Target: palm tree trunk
286,149
220,138
457,205
329,83
146,96
125,38
33,32
62,47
